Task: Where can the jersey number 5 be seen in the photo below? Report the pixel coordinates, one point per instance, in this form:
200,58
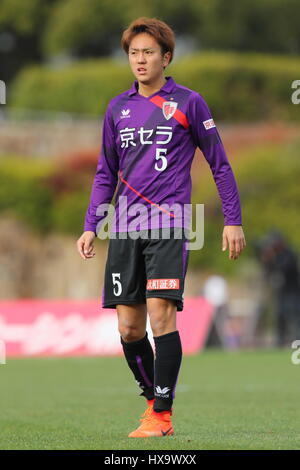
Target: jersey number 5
163,158
117,283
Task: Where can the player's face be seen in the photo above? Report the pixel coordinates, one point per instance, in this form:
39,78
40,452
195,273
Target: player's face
145,53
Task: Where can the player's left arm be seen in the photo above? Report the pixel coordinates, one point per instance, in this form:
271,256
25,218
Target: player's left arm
233,238
207,138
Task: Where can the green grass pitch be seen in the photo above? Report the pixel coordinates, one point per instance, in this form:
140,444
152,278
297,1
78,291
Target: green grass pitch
224,400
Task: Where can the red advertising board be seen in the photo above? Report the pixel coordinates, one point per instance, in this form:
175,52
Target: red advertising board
82,328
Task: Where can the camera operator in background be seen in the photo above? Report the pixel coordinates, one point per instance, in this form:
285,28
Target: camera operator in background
281,270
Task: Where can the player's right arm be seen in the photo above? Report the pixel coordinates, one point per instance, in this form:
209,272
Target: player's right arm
104,185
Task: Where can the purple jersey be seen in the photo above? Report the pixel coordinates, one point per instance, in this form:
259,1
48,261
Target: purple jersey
148,145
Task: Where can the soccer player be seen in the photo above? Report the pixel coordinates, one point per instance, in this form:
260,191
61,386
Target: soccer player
150,134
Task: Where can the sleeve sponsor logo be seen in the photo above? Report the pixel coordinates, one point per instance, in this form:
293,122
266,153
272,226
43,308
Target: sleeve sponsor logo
209,124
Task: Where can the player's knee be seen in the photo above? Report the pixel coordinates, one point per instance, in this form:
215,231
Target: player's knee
159,327
131,333
162,313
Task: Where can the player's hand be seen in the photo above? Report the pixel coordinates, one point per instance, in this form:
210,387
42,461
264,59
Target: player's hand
234,239
85,245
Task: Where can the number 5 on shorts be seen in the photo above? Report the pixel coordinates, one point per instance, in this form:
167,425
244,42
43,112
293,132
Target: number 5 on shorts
117,283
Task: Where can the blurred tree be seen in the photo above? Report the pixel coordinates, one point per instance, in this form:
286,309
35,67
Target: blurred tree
83,28
35,30
97,30
181,16
251,25
21,27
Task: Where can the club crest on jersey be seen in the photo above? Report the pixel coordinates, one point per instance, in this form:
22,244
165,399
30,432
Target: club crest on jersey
169,108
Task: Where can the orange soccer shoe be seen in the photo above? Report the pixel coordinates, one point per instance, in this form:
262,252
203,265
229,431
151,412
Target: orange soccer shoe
154,424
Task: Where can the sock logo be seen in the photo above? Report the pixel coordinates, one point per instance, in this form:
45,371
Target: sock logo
140,384
162,392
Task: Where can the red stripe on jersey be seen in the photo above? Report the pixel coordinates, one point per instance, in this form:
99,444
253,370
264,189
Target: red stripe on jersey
178,115
144,197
